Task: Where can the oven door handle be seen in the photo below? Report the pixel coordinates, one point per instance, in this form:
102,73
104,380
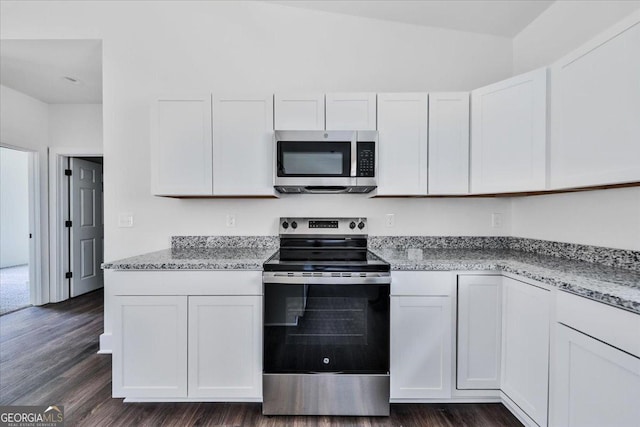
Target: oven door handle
284,279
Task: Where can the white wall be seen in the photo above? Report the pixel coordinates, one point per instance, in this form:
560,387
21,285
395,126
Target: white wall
155,48
75,126
14,207
605,217
564,26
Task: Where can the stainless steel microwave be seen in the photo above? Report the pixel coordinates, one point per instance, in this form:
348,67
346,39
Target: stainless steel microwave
325,161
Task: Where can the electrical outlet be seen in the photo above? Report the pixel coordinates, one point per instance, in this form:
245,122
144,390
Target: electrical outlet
231,220
496,220
390,220
125,220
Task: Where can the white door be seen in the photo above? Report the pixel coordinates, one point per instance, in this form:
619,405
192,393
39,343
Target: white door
402,144
243,145
449,143
87,228
181,146
479,331
509,134
302,111
595,111
525,347
225,347
351,111
420,362
150,346
595,384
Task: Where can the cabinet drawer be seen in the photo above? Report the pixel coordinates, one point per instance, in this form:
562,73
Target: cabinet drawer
417,283
614,326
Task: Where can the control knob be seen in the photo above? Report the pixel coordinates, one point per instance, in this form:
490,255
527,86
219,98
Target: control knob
352,225
361,225
285,225
294,225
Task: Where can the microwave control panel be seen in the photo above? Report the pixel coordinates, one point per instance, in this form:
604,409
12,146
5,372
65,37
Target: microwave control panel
366,159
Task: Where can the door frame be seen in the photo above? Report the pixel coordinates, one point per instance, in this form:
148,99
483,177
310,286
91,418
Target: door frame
35,242
58,187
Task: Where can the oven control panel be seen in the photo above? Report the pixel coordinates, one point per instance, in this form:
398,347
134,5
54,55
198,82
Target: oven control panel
302,226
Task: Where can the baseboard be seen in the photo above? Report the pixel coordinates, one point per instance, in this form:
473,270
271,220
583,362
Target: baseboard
189,399
450,400
517,412
106,346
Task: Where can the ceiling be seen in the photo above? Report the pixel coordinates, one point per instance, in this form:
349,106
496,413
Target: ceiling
504,18
38,68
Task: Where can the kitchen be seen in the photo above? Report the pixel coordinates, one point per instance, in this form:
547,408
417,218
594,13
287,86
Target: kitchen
201,54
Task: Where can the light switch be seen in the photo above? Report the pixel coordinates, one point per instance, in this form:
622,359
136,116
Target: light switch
125,219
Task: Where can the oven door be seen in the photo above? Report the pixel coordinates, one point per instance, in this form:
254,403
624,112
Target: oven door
326,328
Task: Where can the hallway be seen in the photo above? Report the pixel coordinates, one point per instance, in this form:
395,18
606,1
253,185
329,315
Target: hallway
14,288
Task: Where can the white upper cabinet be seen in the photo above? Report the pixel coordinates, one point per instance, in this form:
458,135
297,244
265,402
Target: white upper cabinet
299,111
508,134
402,144
242,145
350,111
181,147
595,114
449,143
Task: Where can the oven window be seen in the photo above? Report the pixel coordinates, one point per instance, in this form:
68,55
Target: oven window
326,328
309,159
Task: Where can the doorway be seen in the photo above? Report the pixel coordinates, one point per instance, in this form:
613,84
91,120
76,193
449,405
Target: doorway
16,230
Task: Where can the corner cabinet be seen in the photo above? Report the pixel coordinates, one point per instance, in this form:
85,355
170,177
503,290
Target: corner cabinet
181,146
204,146
509,135
595,114
449,143
421,336
402,144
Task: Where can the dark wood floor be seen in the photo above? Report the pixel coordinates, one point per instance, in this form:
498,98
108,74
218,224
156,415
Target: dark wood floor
48,356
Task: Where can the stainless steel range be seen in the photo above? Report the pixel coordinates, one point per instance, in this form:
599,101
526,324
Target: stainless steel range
326,321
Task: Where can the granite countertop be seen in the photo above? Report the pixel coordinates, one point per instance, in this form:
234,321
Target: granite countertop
616,286
224,258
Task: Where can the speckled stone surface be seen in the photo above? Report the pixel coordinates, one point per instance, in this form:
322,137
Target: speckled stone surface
227,258
440,242
615,286
212,242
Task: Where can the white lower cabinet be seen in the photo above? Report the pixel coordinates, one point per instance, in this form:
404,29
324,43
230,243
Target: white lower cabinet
479,332
525,347
595,384
225,347
421,335
150,347
188,347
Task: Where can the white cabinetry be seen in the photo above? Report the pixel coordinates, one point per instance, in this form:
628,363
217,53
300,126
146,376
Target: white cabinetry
479,331
402,144
150,347
181,147
508,134
595,111
525,347
225,344
449,143
242,145
299,111
350,111
421,330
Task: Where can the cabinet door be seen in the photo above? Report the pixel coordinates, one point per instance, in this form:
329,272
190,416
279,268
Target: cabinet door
508,134
299,111
596,110
479,331
351,111
594,384
225,347
525,347
420,347
181,147
402,143
150,346
243,145
449,143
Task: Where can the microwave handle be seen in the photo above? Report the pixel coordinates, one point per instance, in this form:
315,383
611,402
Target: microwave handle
354,157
